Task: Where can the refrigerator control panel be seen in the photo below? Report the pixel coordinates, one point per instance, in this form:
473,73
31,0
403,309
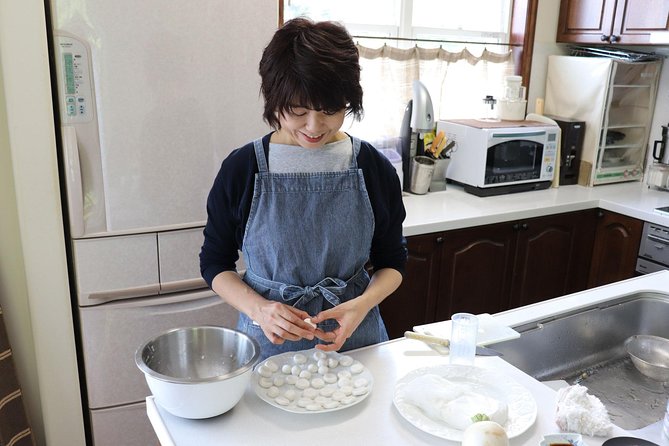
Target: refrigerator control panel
75,83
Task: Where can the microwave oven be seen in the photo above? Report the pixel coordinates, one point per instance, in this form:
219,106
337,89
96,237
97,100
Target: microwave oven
501,157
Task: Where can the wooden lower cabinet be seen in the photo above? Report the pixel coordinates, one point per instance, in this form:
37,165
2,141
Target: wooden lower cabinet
491,268
413,303
616,248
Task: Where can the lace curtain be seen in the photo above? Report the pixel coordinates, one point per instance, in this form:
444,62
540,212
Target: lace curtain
457,82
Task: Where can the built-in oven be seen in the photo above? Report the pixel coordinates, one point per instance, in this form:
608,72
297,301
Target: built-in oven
654,249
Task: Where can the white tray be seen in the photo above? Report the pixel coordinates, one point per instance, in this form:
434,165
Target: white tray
490,331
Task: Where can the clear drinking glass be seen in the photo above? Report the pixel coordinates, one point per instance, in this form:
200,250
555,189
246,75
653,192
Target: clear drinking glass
464,329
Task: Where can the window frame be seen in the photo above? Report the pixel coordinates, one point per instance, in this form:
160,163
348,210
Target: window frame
523,25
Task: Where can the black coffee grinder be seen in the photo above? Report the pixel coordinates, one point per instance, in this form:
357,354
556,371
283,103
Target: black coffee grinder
661,147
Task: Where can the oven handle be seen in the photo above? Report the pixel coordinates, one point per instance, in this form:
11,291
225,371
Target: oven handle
658,239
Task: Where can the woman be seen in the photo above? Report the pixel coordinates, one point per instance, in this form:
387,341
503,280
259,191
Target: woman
308,206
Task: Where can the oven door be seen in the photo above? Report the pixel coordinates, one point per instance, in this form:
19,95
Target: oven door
514,161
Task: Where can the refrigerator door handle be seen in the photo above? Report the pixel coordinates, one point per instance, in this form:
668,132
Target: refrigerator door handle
75,199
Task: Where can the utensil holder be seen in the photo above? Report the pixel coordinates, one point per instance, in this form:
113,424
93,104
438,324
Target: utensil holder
422,169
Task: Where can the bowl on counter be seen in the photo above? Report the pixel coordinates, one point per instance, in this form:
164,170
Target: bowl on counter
198,372
650,355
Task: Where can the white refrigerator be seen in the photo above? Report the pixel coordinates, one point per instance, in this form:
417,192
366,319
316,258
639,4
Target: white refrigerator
151,96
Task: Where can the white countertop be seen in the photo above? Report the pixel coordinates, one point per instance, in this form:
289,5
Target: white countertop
454,208
375,420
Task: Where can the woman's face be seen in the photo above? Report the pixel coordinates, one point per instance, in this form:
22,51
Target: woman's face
309,128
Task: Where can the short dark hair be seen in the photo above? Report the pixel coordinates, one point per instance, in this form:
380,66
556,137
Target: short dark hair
311,64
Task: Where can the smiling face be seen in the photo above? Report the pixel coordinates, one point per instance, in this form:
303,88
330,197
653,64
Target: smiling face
311,129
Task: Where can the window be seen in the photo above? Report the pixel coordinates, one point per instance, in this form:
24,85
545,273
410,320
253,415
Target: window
461,51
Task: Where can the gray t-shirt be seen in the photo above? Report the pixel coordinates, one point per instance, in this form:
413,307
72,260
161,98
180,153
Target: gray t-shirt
334,156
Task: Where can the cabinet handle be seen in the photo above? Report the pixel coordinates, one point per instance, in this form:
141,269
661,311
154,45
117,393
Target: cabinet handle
600,214
605,38
615,39
524,226
516,227
440,240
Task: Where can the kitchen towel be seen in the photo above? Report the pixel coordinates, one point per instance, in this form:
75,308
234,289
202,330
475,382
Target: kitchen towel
14,427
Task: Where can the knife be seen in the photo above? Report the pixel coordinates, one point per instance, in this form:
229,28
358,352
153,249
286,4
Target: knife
480,351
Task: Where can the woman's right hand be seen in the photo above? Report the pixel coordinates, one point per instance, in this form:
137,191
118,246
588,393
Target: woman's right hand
281,322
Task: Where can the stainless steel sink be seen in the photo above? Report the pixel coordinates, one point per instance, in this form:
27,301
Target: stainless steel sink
586,347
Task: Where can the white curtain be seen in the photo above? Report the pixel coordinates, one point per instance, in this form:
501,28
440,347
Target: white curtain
457,83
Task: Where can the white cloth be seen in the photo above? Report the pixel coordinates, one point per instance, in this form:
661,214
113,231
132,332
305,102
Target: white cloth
580,412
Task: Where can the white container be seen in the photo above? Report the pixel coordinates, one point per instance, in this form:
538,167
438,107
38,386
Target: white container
512,110
464,332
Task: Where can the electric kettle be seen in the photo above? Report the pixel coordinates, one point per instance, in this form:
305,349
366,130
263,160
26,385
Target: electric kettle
660,148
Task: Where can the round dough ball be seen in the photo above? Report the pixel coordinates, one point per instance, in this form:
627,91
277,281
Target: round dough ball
272,365
314,406
347,390
319,355
265,383
305,374
330,404
345,360
273,392
290,394
338,395
282,400
343,374
344,382
299,358
317,383
348,400
360,382
291,379
265,371
356,368
295,370
332,363
302,383
330,378
310,393
279,380
323,362
312,367
304,402
320,399
326,391
359,391
286,369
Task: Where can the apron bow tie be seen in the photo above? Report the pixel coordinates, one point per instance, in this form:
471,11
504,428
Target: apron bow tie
330,288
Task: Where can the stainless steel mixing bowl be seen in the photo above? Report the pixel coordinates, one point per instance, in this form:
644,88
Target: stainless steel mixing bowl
650,355
198,372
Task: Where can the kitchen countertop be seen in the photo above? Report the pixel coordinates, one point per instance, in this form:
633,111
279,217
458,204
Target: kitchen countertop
375,420
453,208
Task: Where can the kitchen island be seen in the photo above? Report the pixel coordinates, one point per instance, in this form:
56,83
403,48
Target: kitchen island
375,420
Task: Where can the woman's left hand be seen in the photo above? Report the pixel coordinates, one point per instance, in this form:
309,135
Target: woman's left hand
348,315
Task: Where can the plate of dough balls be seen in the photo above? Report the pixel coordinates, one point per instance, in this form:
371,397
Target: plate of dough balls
312,381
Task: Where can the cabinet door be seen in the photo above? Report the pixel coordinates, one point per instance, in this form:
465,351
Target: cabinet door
631,22
585,21
641,22
413,302
615,249
552,256
476,270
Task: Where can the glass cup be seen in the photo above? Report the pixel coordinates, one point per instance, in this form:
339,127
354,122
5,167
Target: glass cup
464,329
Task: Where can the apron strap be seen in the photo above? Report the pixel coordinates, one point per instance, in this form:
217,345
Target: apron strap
330,288
260,155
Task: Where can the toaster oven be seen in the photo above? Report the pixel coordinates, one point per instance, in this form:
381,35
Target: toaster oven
500,157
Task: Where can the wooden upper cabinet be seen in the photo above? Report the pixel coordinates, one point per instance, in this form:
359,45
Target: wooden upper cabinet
621,22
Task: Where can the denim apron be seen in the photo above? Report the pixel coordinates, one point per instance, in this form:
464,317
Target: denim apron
306,242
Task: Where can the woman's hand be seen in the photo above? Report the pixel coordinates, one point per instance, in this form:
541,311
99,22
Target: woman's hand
348,315
281,322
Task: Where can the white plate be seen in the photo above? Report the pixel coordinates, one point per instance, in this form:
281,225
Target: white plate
288,359
522,409
490,331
